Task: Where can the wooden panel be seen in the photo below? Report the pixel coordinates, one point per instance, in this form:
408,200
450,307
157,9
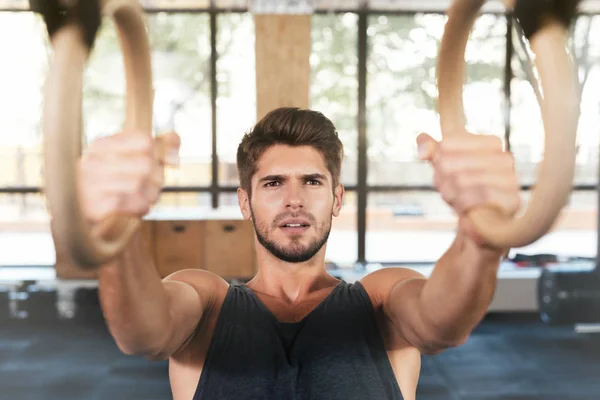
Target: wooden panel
282,47
229,248
178,245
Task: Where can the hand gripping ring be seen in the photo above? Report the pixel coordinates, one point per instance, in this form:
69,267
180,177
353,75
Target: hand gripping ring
72,32
546,27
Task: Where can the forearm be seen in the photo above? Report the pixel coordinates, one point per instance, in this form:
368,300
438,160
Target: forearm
457,294
134,301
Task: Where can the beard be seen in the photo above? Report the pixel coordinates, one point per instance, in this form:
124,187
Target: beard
294,252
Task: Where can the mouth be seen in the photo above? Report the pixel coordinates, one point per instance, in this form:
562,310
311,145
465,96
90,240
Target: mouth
294,227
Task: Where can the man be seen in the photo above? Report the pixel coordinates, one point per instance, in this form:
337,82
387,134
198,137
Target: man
294,331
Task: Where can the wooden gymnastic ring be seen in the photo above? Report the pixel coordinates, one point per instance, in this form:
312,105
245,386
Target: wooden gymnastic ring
90,246
560,112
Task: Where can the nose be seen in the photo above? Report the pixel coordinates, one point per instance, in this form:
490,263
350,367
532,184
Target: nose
295,199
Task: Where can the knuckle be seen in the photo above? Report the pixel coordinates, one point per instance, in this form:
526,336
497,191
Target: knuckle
516,202
105,207
143,209
463,181
146,167
447,192
485,195
446,196
444,166
153,195
145,144
137,187
496,142
508,161
444,146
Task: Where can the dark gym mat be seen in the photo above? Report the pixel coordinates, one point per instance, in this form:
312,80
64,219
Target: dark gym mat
516,358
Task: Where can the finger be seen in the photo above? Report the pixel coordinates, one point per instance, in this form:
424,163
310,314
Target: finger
115,169
487,191
167,148
447,189
498,181
117,204
155,184
426,146
471,142
125,186
120,203
121,144
136,206
470,162
133,183
505,203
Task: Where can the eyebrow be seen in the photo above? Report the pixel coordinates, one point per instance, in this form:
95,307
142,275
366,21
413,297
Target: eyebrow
306,177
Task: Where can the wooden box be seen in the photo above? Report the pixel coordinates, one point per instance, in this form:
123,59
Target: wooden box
229,248
224,247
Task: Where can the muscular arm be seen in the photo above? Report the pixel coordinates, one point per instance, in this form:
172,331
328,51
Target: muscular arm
469,171
146,315
439,312
454,299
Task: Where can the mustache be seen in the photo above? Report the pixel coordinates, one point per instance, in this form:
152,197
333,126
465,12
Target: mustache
280,217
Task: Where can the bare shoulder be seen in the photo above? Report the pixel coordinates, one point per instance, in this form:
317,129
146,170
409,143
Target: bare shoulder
380,283
209,286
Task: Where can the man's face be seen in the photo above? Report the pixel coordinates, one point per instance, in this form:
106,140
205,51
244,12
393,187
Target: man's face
292,202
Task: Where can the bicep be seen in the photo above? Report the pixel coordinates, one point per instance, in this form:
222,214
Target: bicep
189,294
397,293
185,312
403,308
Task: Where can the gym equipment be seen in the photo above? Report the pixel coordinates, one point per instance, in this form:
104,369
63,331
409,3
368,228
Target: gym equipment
569,294
545,24
72,28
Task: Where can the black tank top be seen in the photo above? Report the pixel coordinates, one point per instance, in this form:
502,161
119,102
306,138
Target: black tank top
335,353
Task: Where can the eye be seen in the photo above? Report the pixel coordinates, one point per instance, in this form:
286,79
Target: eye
314,182
272,184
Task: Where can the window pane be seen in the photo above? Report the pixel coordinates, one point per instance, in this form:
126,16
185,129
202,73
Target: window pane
402,92
236,81
14,4
150,4
342,247
587,49
334,80
181,206
228,204
24,225
332,5
527,134
181,61
181,76
22,78
229,4
409,226
175,4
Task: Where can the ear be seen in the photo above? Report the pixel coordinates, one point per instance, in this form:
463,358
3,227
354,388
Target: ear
338,197
244,203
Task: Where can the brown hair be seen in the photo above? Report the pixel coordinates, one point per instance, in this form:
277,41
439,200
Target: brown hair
293,127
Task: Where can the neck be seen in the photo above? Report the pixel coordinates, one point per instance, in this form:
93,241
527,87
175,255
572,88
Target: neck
290,282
